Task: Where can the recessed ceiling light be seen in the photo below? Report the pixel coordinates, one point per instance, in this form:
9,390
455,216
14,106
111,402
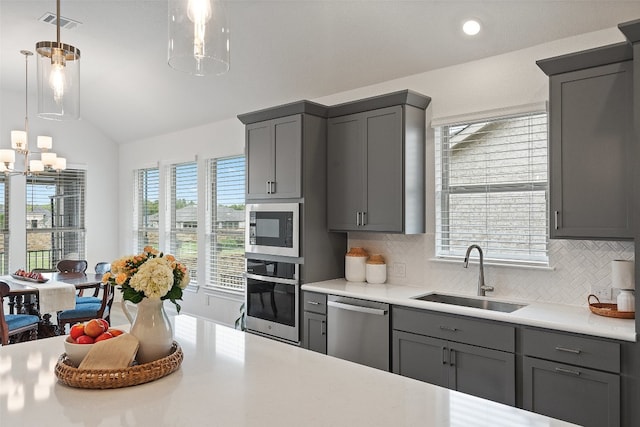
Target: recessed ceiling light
471,27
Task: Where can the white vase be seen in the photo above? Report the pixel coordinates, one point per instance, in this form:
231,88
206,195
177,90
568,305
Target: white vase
152,328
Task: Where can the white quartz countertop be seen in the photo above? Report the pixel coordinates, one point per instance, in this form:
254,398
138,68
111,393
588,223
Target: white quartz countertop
229,378
569,318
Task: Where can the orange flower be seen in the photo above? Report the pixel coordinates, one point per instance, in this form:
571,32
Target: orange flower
121,278
105,277
170,258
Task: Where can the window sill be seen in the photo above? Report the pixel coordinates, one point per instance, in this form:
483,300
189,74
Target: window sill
224,293
507,264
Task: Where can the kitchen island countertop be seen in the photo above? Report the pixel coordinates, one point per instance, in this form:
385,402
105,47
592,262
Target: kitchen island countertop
568,318
229,378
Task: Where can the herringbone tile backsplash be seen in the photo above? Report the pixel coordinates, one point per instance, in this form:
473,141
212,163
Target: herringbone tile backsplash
576,266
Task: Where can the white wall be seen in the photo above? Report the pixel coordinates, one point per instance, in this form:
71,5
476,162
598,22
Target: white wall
85,147
502,81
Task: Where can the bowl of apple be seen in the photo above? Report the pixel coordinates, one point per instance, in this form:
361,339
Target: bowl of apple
82,336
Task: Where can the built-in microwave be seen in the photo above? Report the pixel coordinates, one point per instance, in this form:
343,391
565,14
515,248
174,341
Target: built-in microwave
273,229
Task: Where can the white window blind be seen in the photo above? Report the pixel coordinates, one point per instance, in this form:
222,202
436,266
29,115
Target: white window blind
183,212
55,217
491,188
225,234
147,188
4,224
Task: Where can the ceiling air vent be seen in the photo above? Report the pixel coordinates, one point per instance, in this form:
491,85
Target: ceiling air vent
66,23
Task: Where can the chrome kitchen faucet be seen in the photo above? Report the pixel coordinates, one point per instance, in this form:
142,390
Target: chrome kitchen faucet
482,288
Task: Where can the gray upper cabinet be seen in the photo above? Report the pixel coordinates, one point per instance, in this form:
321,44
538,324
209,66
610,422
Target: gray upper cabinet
274,158
590,144
376,164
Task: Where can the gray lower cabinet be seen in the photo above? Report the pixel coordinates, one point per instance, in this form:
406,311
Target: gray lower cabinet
314,321
590,149
572,378
274,158
451,357
376,166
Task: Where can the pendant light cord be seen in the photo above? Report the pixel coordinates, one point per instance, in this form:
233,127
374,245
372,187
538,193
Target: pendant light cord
58,23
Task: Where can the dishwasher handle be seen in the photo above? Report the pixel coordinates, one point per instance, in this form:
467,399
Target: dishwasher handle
358,308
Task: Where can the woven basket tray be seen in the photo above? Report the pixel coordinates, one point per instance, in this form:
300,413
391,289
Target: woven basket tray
117,378
608,310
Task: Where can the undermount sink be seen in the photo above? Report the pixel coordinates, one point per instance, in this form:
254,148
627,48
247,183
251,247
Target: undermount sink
505,307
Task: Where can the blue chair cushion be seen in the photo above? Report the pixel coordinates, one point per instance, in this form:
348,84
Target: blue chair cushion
88,300
81,310
15,321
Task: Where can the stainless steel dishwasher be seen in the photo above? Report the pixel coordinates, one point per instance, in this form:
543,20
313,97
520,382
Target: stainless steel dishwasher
358,330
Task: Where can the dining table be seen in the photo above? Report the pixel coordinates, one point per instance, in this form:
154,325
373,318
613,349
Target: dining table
55,294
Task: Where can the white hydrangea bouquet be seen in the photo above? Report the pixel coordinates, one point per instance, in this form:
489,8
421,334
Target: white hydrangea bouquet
150,274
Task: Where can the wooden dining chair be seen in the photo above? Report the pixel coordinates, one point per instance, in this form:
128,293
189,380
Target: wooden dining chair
12,325
87,311
102,267
72,266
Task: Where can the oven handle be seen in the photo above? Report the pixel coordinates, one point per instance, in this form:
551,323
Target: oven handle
271,279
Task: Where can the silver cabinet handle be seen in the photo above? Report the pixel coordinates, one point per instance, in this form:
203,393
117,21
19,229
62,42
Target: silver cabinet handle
363,216
452,357
313,302
448,328
357,219
444,355
567,371
270,279
323,329
273,187
568,350
556,219
358,308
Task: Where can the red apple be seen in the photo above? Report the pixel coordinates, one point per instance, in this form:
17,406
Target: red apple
93,328
104,336
105,324
115,332
85,339
77,330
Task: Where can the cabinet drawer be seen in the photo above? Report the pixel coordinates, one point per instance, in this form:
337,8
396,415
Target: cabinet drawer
581,351
315,302
460,329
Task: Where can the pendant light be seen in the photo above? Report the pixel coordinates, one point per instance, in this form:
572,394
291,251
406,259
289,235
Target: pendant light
20,142
198,37
58,78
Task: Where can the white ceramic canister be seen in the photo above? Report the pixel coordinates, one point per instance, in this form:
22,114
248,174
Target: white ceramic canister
376,269
355,265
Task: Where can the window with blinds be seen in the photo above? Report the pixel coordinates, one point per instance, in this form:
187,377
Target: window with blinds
55,217
491,188
146,214
4,224
226,217
183,215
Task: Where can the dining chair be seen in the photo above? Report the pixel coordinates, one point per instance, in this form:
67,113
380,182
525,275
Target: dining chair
102,267
87,311
72,266
12,325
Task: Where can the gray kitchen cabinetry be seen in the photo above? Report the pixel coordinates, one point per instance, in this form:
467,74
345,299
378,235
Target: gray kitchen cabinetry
314,320
471,356
376,164
276,140
571,378
274,159
590,143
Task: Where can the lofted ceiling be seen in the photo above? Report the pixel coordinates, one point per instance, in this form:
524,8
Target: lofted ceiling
281,51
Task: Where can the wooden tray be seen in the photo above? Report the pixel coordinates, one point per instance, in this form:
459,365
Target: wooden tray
118,378
28,279
608,310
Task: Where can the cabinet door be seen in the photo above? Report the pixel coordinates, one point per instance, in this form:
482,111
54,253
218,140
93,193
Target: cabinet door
482,372
345,171
421,358
315,332
577,395
287,137
590,153
384,170
259,159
